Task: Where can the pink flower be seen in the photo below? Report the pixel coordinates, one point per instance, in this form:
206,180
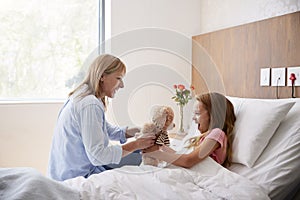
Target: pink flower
181,87
182,95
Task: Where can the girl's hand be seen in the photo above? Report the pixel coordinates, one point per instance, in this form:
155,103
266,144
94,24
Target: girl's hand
154,147
167,149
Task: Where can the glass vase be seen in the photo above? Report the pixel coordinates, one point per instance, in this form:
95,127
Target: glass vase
181,128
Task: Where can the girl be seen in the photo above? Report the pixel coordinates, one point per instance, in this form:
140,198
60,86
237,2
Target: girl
215,117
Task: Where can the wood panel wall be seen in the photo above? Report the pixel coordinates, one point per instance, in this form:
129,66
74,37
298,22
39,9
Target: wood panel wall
230,60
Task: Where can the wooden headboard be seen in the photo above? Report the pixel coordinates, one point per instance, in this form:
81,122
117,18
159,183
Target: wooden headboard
230,60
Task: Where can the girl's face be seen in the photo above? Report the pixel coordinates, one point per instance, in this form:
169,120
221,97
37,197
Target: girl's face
201,117
111,83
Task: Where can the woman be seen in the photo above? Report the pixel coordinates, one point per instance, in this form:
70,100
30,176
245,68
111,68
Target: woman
215,117
80,145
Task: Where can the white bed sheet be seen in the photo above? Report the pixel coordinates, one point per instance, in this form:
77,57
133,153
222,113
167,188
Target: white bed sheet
207,180
28,184
277,169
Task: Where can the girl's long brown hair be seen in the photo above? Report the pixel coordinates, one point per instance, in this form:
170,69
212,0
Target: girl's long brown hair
222,116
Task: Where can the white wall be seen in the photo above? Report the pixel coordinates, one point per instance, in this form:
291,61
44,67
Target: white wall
220,14
25,134
180,16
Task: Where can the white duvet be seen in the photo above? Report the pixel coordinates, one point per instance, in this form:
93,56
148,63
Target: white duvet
207,180
28,184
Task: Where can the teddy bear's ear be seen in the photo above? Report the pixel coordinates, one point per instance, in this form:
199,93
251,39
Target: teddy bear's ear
158,115
148,127
154,109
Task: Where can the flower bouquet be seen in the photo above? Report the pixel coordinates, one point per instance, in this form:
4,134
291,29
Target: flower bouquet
182,97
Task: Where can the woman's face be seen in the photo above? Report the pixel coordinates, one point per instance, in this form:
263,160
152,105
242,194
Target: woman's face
111,83
201,117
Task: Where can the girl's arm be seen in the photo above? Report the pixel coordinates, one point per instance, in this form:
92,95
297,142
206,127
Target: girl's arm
185,160
167,149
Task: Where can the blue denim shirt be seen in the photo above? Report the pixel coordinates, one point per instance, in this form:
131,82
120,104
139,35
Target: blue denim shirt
80,144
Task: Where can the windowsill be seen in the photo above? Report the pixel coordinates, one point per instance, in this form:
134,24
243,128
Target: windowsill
30,101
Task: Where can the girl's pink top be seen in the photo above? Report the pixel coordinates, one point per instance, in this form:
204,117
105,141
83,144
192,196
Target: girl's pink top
219,155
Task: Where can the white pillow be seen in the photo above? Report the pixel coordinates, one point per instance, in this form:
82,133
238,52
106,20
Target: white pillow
256,122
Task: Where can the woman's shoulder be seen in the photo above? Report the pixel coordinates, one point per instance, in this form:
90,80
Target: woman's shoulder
89,100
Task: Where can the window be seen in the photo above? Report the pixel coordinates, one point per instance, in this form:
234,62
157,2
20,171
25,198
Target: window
43,45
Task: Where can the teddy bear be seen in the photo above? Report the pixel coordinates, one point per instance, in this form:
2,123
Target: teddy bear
161,121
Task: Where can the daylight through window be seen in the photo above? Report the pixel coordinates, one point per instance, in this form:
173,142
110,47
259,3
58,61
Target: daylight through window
43,45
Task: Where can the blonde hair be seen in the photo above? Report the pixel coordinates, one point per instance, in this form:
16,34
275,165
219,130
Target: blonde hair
103,64
221,112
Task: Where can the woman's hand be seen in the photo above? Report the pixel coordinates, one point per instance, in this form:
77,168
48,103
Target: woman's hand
145,142
139,143
130,132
